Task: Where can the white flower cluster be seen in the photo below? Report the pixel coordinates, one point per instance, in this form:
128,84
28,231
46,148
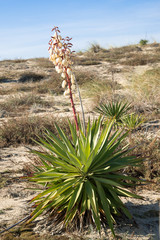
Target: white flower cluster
60,55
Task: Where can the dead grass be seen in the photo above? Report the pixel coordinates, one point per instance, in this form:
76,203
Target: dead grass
35,84
31,77
24,130
85,61
140,59
14,61
149,150
95,88
131,55
100,90
146,87
51,85
44,63
14,104
112,54
85,77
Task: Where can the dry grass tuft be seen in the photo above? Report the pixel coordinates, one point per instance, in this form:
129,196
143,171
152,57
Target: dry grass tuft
85,77
31,77
17,104
24,130
140,59
86,61
132,55
148,149
14,61
44,63
146,87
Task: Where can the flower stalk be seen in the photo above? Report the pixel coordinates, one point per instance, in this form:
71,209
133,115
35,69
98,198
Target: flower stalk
60,55
72,102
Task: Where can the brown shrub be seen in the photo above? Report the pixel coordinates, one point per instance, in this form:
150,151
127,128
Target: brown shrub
84,77
24,130
15,103
140,59
31,77
44,63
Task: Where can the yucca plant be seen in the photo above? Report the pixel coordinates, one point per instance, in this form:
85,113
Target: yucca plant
132,121
81,175
115,110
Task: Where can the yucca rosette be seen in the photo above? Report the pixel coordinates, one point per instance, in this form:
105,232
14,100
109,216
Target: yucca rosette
82,176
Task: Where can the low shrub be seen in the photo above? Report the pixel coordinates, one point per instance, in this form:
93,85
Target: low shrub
43,63
15,102
143,42
24,130
31,77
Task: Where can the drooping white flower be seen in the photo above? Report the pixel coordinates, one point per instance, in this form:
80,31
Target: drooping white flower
60,55
69,72
66,92
56,49
64,62
57,68
59,71
64,84
54,62
63,75
73,86
55,35
60,44
60,52
68,51
72,78
51,51
59,37
58,60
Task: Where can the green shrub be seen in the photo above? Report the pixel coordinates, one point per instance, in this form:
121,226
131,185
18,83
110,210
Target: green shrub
132,121
114,110
143,42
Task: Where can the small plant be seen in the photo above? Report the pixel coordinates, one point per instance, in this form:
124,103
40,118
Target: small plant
31,77
21,102
132,121
114,110
143,42
95,48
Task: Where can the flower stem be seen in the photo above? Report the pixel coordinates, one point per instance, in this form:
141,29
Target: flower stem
80,99
72,102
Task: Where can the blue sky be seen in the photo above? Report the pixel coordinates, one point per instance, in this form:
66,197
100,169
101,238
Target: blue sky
25,26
